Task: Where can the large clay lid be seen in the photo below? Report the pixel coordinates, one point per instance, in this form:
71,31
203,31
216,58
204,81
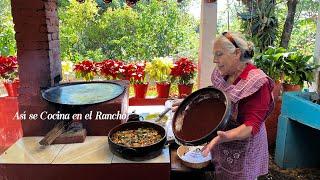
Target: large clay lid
200,116
83,93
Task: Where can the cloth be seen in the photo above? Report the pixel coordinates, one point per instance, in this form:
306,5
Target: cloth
253,109
246,159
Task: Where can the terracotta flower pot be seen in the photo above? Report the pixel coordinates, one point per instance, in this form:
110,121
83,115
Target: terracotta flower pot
140,90
290,87
184,89
12,88
163,90
277,89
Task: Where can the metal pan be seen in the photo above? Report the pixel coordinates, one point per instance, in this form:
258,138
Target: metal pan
200,116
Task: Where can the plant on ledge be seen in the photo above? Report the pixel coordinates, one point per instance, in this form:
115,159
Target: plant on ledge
9,74
271,62
159,70
86,70
298,68
137,74
111,69
184,71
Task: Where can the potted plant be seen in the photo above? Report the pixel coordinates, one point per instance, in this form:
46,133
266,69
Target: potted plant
85,69
184,72
136,72
298,68
272,63
67,70
111,69
159,70
9,73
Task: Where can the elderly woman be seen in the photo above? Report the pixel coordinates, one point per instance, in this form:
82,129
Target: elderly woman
241,150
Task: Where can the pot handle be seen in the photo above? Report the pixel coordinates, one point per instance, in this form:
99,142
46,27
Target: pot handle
127,150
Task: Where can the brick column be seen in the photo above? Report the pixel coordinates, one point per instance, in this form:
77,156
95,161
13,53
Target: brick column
37,36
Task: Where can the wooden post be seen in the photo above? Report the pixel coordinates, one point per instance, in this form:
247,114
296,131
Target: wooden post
208,29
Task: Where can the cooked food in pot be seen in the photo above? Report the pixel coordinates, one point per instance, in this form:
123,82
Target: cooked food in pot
136,138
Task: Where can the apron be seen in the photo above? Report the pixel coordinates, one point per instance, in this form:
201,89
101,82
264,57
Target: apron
246,159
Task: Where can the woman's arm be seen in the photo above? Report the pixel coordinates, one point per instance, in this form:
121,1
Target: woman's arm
240,133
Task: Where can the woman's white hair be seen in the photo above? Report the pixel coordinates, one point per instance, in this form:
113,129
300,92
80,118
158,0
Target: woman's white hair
246,47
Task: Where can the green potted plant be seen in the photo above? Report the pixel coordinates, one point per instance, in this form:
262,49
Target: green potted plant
159,70
271,62
298,68
183,72
9,74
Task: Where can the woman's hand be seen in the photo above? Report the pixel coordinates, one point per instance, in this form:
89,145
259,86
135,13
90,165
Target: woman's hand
240,133
222,137
176,104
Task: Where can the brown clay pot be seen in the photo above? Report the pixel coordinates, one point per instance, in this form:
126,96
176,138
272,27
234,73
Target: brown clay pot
277,89
12,88
184,89
163,90
290,87
140,90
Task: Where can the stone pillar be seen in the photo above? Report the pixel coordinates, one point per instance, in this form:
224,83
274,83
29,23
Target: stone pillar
37,35
208,30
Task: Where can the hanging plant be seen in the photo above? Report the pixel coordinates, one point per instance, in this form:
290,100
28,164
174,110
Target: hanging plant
261,22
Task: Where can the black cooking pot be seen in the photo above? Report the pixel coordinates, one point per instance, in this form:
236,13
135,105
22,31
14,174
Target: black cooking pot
200,116
137,153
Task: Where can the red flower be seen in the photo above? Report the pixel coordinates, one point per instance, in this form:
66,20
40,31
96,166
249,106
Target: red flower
111,69
135,72
86,69
184,70
85,66
8,67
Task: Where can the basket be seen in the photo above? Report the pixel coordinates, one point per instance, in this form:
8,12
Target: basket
182,150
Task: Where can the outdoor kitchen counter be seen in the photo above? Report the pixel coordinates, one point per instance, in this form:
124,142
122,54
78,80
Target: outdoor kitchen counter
26,159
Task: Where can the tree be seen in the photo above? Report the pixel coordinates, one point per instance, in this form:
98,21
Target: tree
149,29
288,25
7,40
261,22
74,19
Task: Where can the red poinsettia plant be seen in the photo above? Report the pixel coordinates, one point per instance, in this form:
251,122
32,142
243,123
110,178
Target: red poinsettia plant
138,73
111,69
85,69
184,71
8,68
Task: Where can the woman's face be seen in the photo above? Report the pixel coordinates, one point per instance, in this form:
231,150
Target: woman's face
227,63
